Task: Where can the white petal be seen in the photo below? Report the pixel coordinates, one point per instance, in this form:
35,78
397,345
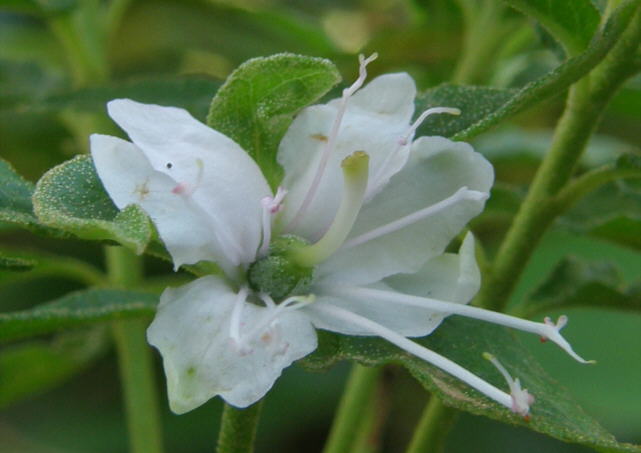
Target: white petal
128,178
376,119
211,168
437,168
191,331
448,277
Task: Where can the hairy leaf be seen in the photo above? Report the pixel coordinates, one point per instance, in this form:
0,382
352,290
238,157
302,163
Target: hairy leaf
79,309
258,101
554,412
572,23
71,197
498,106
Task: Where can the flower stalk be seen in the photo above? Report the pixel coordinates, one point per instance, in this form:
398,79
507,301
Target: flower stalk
135,361
352,409
238,429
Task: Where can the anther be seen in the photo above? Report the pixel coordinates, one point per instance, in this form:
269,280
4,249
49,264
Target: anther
521,398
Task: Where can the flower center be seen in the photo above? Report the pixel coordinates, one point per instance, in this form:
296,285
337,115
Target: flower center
277,274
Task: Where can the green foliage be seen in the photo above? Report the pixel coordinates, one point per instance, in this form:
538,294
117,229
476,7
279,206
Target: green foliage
560,78
79,309
15,263
191,93
475,103
575,282
70,197
15,198
258,101
31,368
554,412
572,23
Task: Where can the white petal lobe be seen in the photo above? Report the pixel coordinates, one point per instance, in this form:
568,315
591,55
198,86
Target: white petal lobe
191,331
207,166
436,170
129,178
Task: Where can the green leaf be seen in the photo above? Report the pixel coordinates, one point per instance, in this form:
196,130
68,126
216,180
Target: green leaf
35,367
575,282
191,93
15,263
15,198
551,84
475,103
612,211
258,101
71,197
42,264
79,309
572,23
554,412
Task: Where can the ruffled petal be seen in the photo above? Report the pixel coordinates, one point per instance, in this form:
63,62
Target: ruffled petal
192,332
436,170
376,119
448,277
208,167
129,178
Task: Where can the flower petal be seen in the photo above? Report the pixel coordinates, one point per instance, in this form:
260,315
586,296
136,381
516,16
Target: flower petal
208,167
448,277
376,119
436,170
129,178
191,331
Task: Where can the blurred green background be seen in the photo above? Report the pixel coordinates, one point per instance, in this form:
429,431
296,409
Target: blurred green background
163,51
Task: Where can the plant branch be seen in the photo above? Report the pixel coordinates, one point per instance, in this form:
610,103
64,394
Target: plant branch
352,409
586,101
135,360
238,429
433,427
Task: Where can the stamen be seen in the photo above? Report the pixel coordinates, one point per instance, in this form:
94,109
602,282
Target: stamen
271,205
405,140
355,171
187,189
421,352
547,330
236,314
330,145
423,116
289,304
462,194
521,398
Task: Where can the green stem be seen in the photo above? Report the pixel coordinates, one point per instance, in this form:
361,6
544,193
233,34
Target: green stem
238,429
135,360
481,36
586,101
352,409
592,180
433,427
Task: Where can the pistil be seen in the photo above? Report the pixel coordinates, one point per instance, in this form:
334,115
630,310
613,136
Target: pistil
355,171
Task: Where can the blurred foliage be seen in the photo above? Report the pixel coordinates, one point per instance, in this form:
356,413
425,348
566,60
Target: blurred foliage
60,61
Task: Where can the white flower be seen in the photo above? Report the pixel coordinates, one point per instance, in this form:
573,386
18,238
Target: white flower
377,208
